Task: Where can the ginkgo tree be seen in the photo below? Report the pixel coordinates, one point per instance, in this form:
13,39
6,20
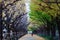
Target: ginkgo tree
46,13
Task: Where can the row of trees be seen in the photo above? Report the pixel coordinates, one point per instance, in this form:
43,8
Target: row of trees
46,13
13,16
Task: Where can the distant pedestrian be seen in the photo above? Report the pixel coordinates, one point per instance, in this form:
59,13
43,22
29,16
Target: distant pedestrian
32,34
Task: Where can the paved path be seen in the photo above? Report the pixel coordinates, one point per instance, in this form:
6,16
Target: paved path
29,37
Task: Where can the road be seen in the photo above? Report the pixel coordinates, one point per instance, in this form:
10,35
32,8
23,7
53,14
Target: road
30,37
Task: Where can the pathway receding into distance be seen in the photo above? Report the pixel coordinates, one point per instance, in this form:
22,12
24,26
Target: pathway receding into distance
30,37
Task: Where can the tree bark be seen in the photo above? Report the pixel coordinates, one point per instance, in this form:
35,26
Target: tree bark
53,31
48,29
1,7
58,24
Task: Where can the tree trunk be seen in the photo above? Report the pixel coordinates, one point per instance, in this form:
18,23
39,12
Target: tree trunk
48,29
59,30
53,27
16,36
53,31
8,31
1,21
58,23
